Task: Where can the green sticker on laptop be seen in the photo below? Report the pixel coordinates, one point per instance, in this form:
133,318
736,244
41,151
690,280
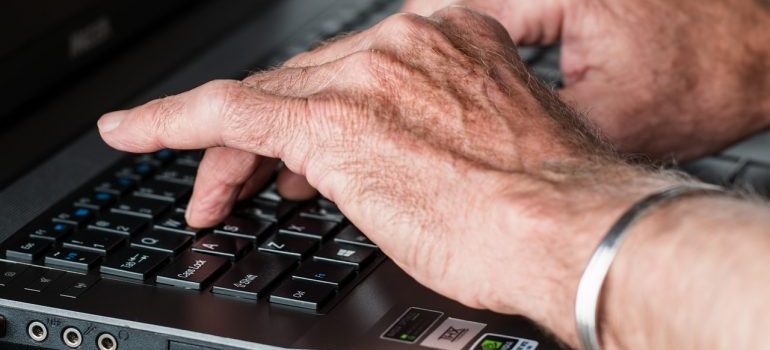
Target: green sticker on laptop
411,325
491,341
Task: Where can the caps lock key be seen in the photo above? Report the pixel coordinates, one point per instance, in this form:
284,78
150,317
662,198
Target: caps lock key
191,270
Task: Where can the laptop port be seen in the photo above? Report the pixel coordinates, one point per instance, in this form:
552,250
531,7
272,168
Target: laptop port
106,341
37,331
72,337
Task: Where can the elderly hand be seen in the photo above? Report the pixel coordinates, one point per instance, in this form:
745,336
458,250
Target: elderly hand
431,136
665,78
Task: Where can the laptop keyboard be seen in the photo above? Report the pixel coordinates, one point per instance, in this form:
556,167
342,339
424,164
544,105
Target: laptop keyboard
129,224
745,165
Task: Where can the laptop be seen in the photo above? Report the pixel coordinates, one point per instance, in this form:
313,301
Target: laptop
94,250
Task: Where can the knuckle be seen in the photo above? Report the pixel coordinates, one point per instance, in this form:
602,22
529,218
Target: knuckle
403,20
161,115
415,31
456,12
237,113
224,99
464,17
410,26
221,94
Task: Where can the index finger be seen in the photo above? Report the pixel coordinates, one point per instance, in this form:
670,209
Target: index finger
219,113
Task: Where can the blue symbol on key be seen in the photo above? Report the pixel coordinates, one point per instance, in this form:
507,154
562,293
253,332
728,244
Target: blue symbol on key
71,256
143,168
124,182
320,275
82,212
103,196
164,154
59,227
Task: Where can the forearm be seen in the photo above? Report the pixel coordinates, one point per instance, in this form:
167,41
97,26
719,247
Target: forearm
693,275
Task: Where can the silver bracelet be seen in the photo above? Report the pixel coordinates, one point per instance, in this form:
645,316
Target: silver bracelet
595,273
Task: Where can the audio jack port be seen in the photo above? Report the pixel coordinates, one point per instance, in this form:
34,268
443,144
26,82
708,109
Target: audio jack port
37,331
106,341
72,337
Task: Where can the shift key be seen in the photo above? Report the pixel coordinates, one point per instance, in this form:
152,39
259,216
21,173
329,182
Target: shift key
253,275
192,270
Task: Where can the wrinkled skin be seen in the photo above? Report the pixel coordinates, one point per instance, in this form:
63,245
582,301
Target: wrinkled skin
431,137
667,79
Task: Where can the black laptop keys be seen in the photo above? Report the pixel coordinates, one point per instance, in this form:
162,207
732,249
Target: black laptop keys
129,224
134,263
253,276
302,294
192,270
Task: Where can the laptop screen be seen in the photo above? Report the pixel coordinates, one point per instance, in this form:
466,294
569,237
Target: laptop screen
22,21
43,42
47,47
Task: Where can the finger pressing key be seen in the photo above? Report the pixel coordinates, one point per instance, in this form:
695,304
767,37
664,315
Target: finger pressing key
221,176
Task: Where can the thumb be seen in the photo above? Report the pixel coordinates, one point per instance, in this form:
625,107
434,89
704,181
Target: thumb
426,8
529,22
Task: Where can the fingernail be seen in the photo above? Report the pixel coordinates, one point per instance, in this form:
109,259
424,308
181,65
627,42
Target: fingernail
110,121
188,212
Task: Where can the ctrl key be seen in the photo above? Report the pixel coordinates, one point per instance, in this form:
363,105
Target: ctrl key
191,271
302,294
27,250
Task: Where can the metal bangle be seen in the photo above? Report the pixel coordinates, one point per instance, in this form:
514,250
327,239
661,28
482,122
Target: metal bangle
591,283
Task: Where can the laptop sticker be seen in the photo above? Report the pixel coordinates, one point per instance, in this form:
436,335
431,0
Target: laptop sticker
491,341
453,334
411,325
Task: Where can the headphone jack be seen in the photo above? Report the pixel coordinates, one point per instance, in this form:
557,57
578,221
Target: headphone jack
106,341
37,331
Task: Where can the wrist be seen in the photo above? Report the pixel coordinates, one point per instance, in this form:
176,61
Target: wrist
677,283
565,220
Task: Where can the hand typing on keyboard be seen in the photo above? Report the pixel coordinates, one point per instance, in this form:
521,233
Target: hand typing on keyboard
665,78
432,138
